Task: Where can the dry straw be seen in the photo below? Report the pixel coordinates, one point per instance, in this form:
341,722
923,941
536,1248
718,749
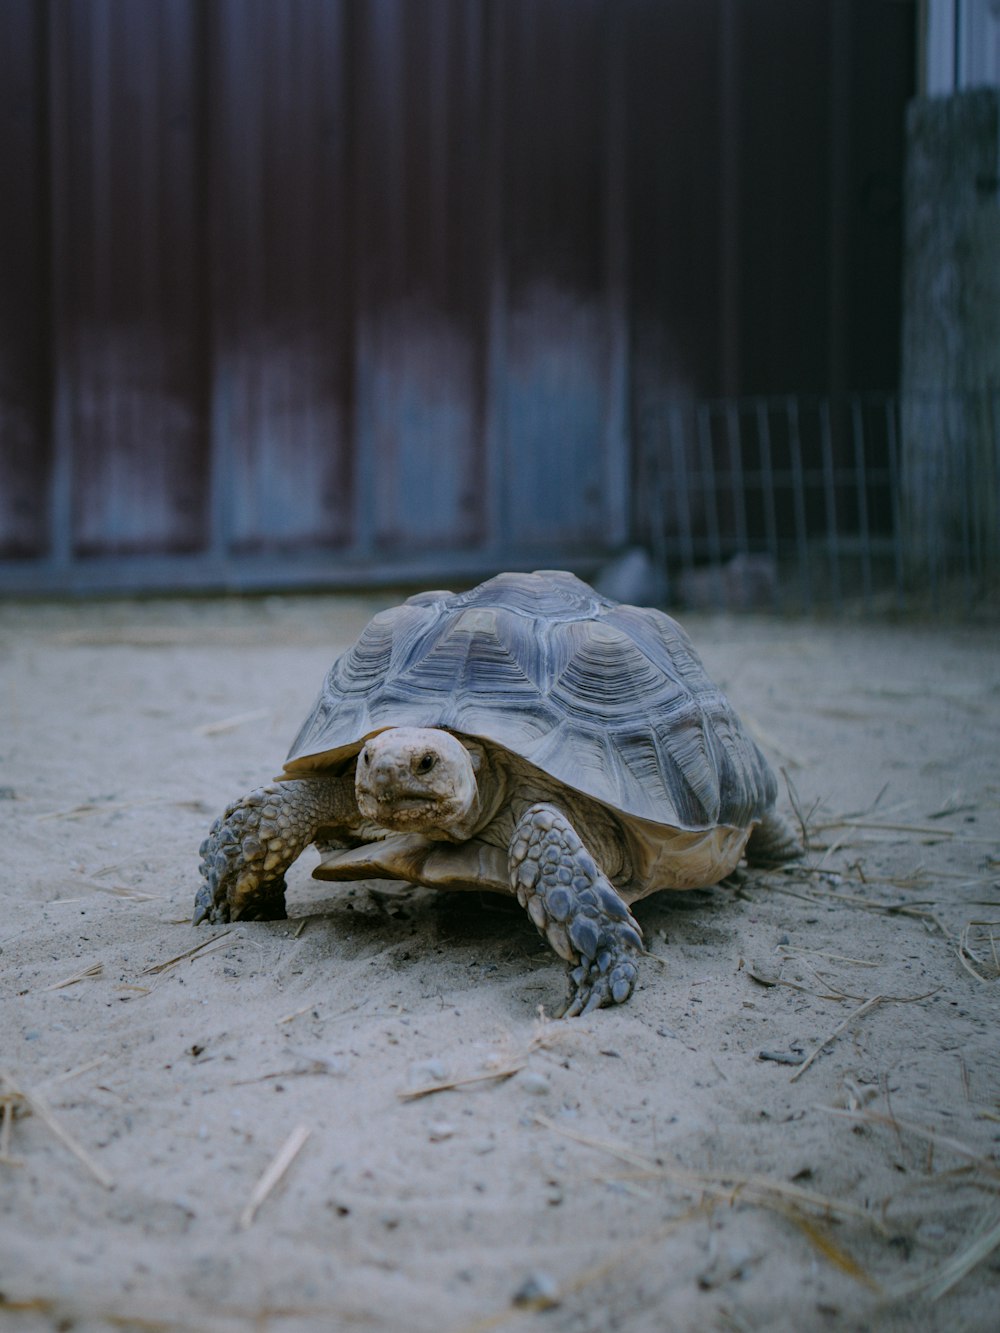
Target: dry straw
286,1155
157,968
16,1096
987,969
94,970
548,1035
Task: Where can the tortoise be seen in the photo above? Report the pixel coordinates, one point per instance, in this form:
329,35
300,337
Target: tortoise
529,736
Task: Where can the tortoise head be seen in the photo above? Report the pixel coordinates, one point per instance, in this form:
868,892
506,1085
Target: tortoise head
419,780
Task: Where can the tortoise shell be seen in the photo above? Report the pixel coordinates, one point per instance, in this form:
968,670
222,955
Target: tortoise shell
611,700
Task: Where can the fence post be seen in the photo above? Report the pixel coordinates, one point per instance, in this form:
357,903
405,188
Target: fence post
951,330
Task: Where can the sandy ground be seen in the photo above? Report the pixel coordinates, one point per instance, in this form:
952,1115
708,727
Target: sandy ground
645,1168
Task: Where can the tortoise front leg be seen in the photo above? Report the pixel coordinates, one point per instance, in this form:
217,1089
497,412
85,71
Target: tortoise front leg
256,839
573,904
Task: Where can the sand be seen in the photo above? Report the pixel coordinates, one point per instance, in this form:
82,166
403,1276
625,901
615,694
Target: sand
657,1166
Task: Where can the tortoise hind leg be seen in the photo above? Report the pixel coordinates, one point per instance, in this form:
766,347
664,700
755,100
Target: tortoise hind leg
773,842
255,840
573,904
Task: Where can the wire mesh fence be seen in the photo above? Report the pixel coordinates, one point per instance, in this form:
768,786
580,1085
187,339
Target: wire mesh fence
799,503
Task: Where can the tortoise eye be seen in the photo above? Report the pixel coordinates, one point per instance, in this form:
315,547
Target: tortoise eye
426,763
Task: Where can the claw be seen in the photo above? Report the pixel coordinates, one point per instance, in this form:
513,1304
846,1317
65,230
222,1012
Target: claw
202,905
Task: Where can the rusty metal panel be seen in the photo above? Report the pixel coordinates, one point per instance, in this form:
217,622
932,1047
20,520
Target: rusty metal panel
561,322
788,64
128,281
421,289
684,69
318,288
281,234
23,292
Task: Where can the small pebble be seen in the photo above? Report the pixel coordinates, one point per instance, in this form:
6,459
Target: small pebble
539,1290
537,1084
426,1071
782,1057
439,1130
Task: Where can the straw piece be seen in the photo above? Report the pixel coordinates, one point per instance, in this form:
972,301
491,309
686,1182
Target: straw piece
967,957
76,1072
890,909
94,970
188,953
723,1184
123,891
939,1281
795,950
296,1012
493,1075
885,826
286,1155
870,809
96,808
42,1110
953,810
921,1131
230,723
548,1035
831,1251
37,1103
818,1050
803,820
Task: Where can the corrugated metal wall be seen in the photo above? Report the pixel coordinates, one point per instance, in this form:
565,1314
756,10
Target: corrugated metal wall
338,289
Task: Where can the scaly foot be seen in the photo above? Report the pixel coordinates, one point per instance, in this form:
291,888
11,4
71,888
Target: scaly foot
574,905
249,848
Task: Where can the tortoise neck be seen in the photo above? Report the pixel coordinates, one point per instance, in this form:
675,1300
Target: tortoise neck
491,785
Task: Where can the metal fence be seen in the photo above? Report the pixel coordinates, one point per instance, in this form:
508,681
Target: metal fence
794,503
